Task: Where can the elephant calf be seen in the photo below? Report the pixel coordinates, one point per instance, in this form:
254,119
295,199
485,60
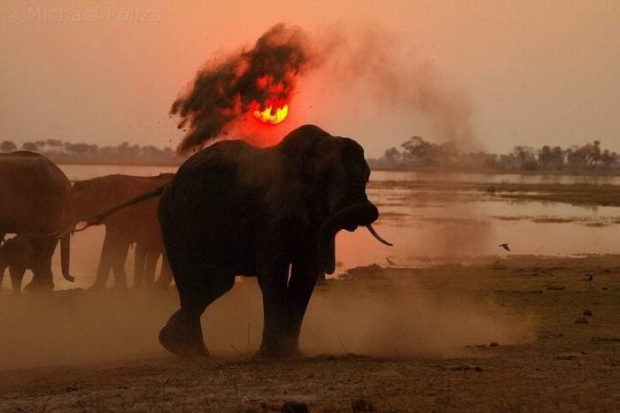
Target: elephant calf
18,255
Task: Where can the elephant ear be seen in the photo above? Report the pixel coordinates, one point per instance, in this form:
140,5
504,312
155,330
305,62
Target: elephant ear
301,155
311,153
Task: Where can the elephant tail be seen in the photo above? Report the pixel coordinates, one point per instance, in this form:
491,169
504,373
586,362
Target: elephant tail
100,217
65,256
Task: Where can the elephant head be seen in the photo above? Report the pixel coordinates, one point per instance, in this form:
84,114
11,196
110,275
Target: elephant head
87,199
334,174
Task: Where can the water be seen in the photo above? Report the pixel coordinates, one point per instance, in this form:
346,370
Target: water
426,225
444,177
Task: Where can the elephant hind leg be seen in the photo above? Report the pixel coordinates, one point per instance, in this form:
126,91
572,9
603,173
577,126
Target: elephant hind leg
165,274
182,335
17,276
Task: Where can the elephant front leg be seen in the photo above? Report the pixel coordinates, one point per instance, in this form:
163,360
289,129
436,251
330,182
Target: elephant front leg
42,279
304,276
140,262
273,283
105,262
118,264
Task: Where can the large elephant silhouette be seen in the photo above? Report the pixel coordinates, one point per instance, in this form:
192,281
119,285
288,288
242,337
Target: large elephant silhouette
33,197
233,209
137,224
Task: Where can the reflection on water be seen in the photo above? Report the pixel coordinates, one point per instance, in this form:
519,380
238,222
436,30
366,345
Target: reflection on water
426,225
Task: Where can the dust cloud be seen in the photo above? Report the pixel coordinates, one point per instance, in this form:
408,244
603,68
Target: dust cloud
402,315
327,72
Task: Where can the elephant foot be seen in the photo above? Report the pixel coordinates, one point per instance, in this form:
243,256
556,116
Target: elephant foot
183,337
278,353
39,287
97,286
122,287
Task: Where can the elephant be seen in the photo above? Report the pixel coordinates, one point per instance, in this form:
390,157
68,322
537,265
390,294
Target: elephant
234,209
18,255
137,224
34,194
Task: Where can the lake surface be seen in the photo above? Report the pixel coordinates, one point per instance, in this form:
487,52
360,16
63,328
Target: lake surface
426,225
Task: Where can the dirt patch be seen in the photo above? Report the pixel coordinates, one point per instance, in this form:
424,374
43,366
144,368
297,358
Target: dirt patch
448,338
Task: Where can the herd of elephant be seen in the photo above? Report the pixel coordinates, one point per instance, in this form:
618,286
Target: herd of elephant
231,209
40,206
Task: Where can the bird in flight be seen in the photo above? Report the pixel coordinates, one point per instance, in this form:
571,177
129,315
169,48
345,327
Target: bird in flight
504,246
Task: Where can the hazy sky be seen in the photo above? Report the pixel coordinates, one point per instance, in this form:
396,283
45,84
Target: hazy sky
534,72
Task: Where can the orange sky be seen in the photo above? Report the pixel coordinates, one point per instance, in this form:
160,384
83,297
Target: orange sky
535,72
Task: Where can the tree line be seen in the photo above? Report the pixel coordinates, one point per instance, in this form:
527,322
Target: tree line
85,153
417,153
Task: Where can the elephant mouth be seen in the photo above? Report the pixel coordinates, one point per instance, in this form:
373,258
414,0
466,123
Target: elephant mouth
348,218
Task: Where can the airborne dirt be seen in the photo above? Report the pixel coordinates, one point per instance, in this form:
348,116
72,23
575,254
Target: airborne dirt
491,335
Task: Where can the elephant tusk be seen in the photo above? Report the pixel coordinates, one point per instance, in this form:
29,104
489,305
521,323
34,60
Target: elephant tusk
377,236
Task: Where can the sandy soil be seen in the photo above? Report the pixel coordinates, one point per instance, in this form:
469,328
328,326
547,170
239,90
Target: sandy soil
491,335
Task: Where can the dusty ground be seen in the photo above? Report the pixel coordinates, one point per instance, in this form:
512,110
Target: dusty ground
421,337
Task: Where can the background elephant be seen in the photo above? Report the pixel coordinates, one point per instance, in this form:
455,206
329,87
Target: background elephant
233,209
137,224
34,194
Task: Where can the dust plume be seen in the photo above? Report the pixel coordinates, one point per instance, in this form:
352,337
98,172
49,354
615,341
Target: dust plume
259,77
369,65
344,67
403,316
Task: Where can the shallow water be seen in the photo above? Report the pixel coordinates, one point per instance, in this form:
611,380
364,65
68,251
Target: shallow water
425,225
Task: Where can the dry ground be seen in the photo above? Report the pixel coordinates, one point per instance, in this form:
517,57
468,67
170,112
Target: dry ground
426,335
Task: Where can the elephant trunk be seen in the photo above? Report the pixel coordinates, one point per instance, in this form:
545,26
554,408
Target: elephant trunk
349,218
65,256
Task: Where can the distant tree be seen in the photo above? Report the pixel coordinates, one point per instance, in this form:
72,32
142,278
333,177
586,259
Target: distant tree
30,146
417,152
557,157
545,156
152,152
8,146
608,159
524,154
392,156
81,148
54,143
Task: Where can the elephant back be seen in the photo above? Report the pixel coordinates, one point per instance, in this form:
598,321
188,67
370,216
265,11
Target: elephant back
34,193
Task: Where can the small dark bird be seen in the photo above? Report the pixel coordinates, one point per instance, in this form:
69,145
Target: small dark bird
504,246
590,276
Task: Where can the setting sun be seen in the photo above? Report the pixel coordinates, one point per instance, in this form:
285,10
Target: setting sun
270,115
